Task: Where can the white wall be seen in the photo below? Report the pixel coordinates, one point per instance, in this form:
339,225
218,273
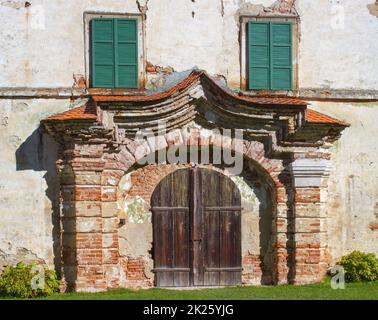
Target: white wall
48,57
353,184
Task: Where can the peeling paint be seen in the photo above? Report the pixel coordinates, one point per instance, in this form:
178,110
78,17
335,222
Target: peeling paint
136,210
373,9
79,81
13,4
279,7
4,121
19,106
17,255
246,191
14,141
142,7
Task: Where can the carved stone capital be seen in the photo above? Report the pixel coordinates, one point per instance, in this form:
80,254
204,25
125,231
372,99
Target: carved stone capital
310,172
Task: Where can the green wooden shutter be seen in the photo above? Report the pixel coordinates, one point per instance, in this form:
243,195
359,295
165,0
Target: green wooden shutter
126,53
258,55
281,56
103,53
269,55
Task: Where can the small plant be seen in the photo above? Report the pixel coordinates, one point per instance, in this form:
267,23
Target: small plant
359,266
28,281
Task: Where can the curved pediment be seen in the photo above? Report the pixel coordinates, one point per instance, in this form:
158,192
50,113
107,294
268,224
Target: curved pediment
201,99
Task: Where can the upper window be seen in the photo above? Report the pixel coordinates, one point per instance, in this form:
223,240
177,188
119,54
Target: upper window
114,53
270,61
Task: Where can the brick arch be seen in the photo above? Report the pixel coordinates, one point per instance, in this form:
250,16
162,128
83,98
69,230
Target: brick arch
270,171
92,205
135,151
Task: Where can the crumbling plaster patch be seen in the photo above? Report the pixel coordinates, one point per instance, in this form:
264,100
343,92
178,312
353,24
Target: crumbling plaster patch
13,4
12,256
279,7
373,9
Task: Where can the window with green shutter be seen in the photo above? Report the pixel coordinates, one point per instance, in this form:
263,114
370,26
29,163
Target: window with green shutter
114,53
269,55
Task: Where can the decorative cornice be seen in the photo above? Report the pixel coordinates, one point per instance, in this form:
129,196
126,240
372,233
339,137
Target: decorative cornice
285,122
310,172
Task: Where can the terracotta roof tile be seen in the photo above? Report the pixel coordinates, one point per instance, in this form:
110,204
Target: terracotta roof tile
195,75
157,96
317,117
88,111
85,112
273,100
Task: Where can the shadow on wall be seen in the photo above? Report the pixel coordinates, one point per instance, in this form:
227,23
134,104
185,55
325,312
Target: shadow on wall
39,152
266,216
268,223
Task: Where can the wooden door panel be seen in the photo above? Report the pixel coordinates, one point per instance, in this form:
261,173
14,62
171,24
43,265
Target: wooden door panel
181,248
171,245
221,238
163,251
211,247
230,257
197,229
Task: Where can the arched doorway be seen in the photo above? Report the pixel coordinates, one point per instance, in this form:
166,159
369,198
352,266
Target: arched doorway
196,229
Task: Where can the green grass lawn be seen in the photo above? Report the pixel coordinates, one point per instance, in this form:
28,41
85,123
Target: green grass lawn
287,292
320,291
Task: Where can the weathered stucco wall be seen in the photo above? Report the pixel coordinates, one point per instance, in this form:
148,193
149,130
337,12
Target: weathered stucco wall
186,33
42,45
28,182
353,184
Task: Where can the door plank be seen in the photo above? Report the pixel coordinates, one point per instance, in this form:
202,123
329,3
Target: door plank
171,230
197,229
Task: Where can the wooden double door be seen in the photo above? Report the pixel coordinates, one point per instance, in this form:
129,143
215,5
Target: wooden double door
196,229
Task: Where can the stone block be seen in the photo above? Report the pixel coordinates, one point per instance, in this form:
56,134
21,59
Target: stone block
87,178
88,224
307,195
110,225
111,177
109,209
87,193
310,225
110,240
88,209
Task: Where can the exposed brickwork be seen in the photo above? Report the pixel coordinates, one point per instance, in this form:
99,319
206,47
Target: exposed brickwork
134,270
252,270
89,189
311,254
144,180
306,195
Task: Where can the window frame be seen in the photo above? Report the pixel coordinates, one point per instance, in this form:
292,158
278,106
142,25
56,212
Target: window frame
141,62
244,74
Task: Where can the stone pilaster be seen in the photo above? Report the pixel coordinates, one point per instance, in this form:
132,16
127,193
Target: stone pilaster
110,246
83,236
310,177
282,236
